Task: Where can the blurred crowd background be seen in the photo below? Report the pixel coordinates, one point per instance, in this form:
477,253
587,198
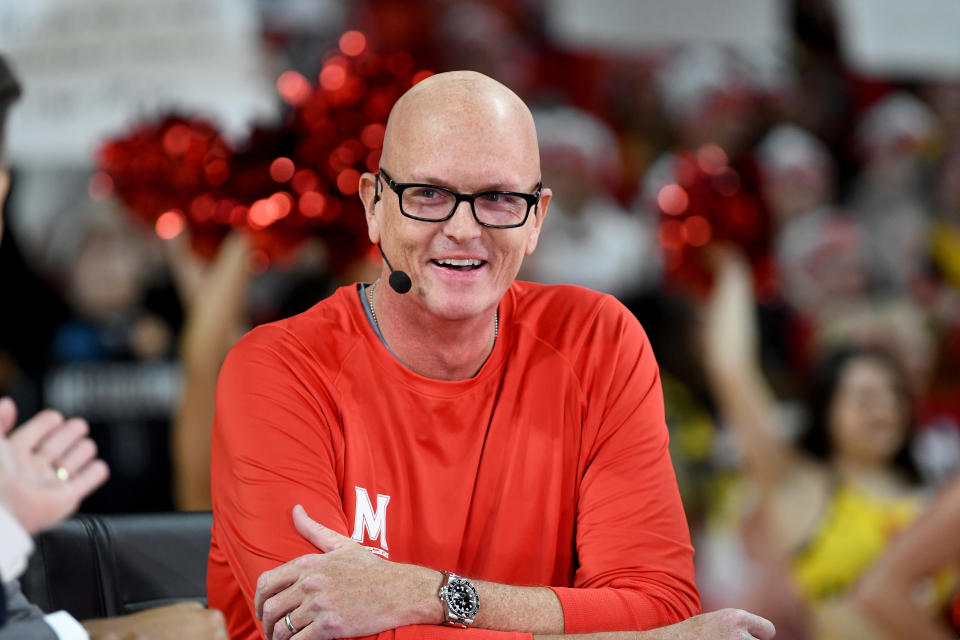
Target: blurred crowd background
772,187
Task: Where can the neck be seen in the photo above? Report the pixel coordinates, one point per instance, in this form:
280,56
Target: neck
430,346
871,476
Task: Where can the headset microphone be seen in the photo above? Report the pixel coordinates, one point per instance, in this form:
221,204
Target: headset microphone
399,280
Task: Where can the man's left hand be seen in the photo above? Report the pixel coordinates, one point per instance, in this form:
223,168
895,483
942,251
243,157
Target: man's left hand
345,591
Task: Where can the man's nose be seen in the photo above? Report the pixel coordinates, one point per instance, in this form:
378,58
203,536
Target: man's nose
462,225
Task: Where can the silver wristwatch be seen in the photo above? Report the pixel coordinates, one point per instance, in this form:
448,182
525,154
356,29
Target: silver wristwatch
460,600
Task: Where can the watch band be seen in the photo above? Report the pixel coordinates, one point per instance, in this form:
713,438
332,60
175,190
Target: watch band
453,590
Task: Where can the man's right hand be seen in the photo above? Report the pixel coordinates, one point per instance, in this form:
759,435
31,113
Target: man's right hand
47,466
725,624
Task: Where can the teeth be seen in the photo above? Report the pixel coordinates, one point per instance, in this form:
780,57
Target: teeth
459,263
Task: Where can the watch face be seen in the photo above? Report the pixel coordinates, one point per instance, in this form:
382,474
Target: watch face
462,599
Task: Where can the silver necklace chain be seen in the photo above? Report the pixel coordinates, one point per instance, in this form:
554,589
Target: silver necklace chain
373,312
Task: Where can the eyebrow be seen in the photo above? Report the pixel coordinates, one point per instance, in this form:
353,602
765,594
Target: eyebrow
496,186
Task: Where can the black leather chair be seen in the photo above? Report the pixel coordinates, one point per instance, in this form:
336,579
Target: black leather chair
98,566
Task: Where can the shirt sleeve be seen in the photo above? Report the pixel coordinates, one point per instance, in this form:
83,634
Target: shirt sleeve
274,445
66,626
15,546
635,560
25,619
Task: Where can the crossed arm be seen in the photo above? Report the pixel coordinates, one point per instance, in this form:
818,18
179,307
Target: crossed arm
348,591
334,591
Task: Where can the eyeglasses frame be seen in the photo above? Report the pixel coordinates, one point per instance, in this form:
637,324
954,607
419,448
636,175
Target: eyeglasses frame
532,200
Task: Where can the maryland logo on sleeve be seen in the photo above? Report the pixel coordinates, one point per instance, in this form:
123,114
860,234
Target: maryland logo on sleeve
370,523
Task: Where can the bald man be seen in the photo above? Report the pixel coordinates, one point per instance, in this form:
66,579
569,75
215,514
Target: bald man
472,451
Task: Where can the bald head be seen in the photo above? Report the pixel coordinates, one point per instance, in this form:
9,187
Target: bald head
467,133
455,113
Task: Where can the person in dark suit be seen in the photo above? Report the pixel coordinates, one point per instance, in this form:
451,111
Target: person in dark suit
47,466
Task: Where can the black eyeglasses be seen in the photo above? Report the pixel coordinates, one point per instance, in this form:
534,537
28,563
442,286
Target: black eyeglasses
494,209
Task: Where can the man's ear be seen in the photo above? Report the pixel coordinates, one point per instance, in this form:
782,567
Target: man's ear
370,196
540,214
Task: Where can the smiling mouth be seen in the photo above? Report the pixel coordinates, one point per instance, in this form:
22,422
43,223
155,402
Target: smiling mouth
459,265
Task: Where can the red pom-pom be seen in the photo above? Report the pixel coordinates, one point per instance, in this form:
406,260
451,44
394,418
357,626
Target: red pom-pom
708,201
284,183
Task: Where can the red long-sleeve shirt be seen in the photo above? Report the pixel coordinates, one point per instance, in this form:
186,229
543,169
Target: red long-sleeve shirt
549,467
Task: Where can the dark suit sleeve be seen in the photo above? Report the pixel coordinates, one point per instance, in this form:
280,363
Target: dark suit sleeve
24,621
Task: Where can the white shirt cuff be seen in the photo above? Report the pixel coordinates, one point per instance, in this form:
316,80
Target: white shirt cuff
66,626
15,546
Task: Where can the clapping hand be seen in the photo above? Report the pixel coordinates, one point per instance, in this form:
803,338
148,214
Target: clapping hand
47,466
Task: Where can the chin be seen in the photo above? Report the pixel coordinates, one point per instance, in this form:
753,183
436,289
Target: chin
456,310
880,455
458,303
